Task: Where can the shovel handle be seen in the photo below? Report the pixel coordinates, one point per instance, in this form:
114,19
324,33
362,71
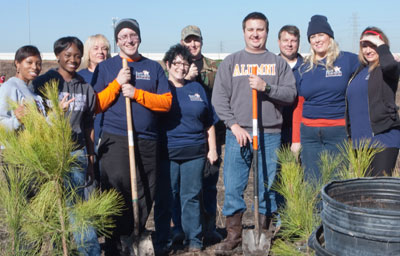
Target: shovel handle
255,112
255,155
132,163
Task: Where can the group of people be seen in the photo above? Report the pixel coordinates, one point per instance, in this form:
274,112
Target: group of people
185,109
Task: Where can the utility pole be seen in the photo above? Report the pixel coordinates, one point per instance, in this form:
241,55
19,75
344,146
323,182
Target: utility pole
114,21
221,49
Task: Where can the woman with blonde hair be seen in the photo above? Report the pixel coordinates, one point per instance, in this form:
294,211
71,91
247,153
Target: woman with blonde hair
371,111
319,117
96,49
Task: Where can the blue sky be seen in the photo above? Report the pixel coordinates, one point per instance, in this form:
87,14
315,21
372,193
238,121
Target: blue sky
41,22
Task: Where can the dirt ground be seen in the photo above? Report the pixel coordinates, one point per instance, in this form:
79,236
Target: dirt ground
248,219
7,68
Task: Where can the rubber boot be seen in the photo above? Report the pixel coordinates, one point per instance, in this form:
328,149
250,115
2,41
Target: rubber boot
234,237
210,234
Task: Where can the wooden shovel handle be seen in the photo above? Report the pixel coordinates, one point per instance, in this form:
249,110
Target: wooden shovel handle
132,163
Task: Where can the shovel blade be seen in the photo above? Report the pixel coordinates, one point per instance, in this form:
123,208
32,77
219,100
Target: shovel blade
143,246
255,244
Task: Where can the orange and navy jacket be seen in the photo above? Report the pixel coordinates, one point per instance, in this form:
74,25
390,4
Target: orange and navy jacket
152,95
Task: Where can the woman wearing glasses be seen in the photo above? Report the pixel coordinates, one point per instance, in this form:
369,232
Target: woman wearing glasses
371,108
183,153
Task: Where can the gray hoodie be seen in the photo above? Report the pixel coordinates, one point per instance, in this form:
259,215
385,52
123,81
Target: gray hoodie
81,110
232,96
15,90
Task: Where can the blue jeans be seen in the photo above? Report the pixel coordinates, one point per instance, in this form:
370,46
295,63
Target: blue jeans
209,201
237,163
86,242
179,181
315,140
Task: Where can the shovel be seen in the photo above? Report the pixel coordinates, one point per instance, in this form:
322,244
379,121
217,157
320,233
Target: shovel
141,245
255,242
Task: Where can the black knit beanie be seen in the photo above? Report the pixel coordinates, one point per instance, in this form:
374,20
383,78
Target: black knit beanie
319,24
127,23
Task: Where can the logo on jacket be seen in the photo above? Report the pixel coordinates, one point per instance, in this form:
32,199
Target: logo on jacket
144,75
333,72
195,97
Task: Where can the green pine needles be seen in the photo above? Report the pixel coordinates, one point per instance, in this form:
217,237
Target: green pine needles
34,203
300,213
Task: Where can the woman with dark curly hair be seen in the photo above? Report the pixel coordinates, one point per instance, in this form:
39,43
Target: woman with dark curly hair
183,153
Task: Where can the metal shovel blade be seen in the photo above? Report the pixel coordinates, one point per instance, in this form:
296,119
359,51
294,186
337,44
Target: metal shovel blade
141,246
255,244
144,246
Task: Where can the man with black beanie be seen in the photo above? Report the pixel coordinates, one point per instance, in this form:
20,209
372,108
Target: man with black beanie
145,83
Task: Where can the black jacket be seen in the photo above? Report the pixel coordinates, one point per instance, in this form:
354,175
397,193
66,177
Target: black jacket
382,87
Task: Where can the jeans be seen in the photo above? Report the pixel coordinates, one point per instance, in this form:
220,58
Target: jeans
86,242
237,163
208,200
315,140
383,162
179,180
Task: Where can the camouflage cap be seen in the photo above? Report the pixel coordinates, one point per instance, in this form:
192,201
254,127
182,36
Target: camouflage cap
190,30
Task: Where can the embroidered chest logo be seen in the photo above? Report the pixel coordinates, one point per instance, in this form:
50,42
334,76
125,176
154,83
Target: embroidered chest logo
144,75
195,97
334,72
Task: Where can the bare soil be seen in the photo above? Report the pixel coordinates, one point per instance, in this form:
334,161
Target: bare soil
248,219
7,68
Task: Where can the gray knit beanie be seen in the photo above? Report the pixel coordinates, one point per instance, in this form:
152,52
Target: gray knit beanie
127,23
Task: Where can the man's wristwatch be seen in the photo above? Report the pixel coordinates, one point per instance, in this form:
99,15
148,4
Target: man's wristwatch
267,88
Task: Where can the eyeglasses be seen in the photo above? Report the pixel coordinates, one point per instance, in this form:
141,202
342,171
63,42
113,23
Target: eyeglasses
184,64
133,37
